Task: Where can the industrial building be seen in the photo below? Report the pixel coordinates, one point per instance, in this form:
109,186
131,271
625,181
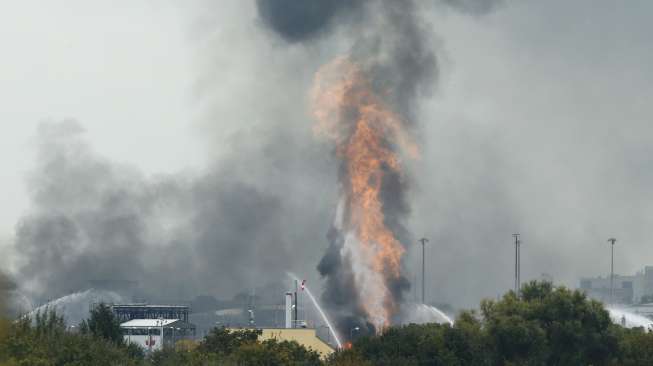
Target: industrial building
153,334
307,337
145,311
153,326
296,330
627,289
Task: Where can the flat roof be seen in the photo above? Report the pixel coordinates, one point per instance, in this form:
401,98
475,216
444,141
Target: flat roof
144,323
148,306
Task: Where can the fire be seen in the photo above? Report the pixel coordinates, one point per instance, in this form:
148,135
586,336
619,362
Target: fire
367,134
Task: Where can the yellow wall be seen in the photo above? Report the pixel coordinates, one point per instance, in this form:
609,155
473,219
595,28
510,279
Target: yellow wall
304,336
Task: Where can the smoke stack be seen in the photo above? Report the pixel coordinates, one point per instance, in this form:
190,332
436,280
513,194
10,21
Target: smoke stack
288,310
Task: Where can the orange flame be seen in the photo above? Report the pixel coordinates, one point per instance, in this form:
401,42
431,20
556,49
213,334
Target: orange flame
366,133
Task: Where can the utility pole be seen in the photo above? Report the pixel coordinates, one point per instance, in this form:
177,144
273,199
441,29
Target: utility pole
517,263
612,241
296,306
415,288
423,241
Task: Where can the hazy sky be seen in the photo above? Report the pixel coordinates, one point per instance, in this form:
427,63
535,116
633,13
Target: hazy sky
123,69
540,122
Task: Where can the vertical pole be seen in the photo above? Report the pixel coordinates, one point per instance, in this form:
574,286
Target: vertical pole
519,265
517,269
423,241
296,308
612,241
423,272
612,274
288,319
415,287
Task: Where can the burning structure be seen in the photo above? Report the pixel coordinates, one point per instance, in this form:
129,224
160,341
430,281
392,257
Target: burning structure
365,103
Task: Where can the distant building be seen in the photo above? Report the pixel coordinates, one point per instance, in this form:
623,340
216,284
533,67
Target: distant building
153,334
627,289
307,337
125,312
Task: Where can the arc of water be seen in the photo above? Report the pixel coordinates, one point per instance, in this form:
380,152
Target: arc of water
319,310
439,313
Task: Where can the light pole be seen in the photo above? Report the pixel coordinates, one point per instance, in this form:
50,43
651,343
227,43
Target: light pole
161,325
351,332
423,241
612,241
517,263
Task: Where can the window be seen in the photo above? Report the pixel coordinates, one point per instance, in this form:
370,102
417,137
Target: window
138,331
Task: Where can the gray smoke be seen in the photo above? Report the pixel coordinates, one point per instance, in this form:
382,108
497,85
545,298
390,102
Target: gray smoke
177,236
256,211
6,288
473,7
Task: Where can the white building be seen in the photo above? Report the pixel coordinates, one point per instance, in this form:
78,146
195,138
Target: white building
627,289
153,334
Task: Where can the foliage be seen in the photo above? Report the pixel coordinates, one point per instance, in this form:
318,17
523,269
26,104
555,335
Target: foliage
543,325
223,341
103,324
45,341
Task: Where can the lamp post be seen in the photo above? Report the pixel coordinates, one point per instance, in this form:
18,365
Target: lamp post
351,332
423,241
517,263
612,241
149,338
160,320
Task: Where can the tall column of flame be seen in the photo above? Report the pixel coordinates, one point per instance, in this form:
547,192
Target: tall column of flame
367,134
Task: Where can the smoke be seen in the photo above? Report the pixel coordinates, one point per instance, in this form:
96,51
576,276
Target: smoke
394,52
177,235
297,21
6,287
393,46
473,7
245,217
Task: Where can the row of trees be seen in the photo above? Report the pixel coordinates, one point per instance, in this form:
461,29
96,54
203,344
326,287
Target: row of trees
542,326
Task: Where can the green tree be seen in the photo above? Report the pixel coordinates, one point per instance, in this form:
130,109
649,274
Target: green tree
45,341
635,347
549,326
224,341
103,324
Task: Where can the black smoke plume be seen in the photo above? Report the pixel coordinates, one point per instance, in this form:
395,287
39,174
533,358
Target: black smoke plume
395,50
297,21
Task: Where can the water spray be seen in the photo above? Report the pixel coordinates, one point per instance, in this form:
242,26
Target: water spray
319,309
